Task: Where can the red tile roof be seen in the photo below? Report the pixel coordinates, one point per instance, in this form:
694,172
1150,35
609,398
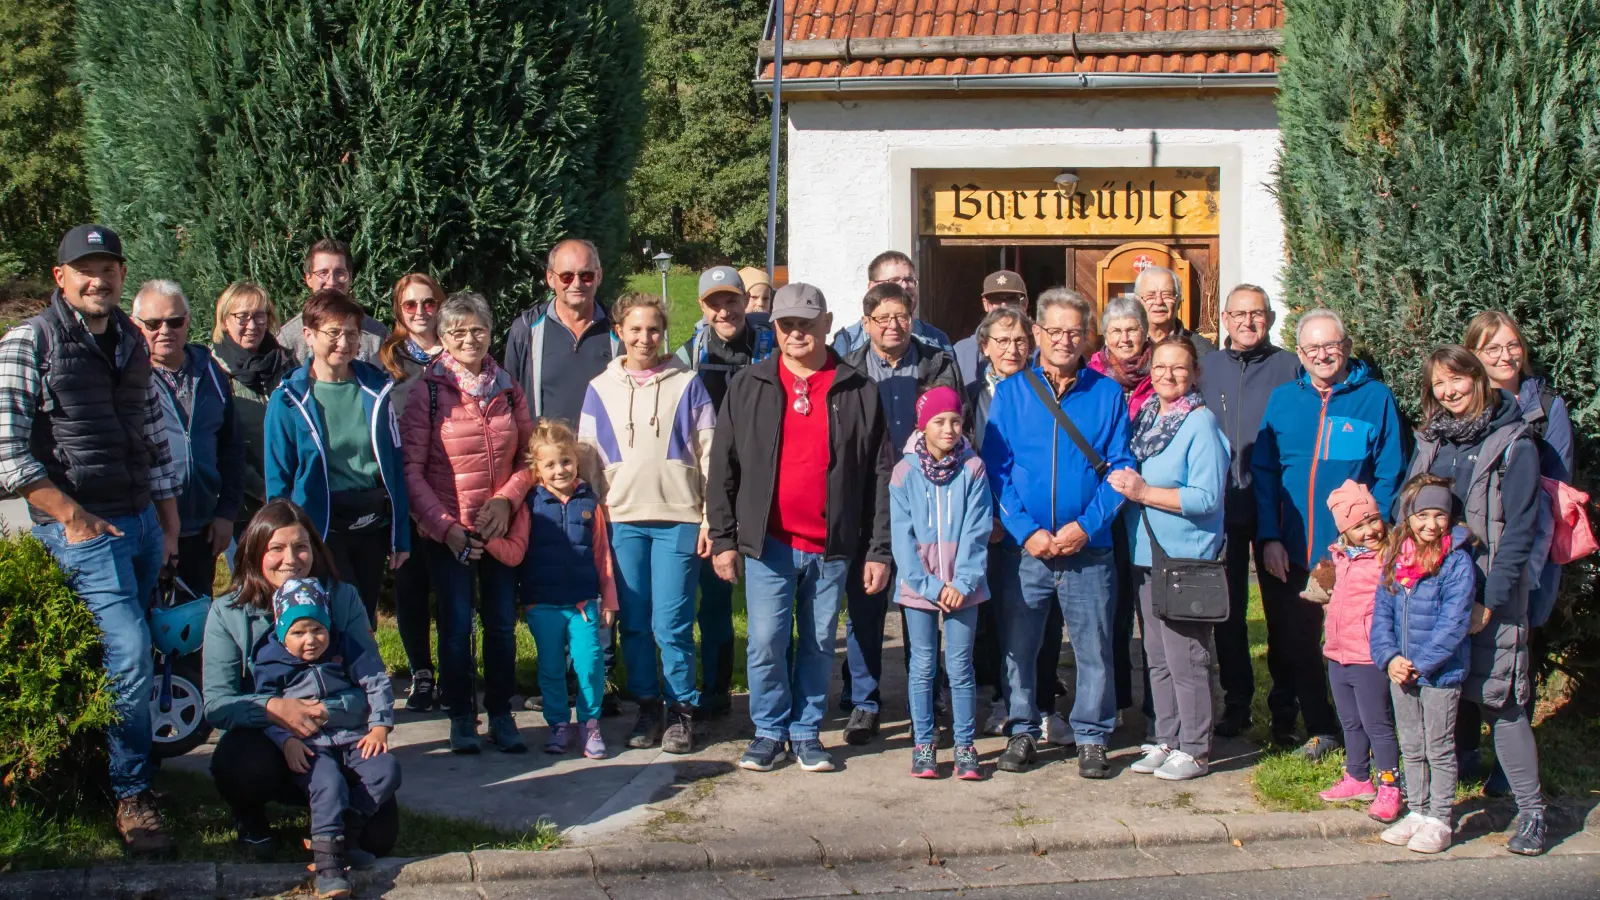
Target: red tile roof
810,20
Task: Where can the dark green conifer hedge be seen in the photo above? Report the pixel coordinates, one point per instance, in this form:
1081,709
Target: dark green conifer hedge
456,137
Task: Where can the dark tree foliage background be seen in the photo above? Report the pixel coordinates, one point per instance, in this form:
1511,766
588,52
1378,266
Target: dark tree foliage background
42,190
456,137
701,187
1442,158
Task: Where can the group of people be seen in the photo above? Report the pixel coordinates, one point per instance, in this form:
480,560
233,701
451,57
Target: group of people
1031,479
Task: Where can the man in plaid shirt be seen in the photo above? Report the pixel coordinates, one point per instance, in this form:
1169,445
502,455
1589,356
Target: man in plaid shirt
82,439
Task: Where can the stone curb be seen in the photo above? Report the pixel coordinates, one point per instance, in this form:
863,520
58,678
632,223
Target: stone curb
847,846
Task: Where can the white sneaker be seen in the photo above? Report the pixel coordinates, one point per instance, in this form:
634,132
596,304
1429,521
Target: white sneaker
1154,756
1433,837
998,714
1058,732
1180,766
1401,832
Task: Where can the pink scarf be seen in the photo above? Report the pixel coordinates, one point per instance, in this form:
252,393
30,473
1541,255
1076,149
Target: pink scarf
1406,570
479,387
1133,376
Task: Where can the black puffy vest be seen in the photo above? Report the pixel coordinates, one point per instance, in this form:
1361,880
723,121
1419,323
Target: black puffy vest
89,429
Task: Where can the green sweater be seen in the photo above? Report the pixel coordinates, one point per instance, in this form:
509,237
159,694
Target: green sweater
352,466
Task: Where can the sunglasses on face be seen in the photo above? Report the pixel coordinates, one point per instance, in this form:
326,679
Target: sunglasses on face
586,276
172,324
409,307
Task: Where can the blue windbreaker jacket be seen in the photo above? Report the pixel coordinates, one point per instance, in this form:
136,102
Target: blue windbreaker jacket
1309,444
296,434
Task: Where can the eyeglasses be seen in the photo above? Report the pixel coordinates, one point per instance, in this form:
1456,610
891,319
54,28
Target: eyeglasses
1056,334
461,334
337,335
586,276
1259,315
892,319
1496,351
1020,343
1168,371
174,323
337,276
245,318
1329,349
905,281
409,307
802,396
1168,296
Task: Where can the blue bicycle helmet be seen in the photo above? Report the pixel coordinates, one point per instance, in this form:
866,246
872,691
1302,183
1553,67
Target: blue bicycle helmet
179,630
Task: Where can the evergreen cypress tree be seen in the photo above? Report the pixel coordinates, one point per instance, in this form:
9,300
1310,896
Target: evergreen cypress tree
456,137
1442,157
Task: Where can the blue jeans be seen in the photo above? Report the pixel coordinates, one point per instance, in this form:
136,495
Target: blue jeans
115,577
922,637
656,574
1085,586
559,631
497,605
716,631
782,586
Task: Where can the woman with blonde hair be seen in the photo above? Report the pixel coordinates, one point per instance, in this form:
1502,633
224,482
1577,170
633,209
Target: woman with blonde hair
243,345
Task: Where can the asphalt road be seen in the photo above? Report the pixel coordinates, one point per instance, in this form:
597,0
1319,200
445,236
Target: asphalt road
1498,878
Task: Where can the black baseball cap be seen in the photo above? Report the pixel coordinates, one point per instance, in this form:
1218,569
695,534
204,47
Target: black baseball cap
88,240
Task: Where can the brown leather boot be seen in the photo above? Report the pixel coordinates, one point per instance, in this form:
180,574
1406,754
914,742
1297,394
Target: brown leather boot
143,831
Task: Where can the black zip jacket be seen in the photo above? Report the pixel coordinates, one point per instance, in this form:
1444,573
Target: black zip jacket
744,464
1236,385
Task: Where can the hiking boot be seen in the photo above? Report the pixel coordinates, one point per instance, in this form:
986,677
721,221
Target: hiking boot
1179,766
503,734
610,705
1530,836
862,727
761,755
421,696
1019,754
1234,722
1433,836
256,841
1058,732
594,746
715,706
464,736
999,714
810,755
144,832
1347,788
647,728
1092,761
1154,756
679,736
560,740
328,861
967,768
1386,808
1317,747
924,761
1401,832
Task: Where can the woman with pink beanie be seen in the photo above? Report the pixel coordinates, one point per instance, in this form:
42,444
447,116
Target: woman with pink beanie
1360,688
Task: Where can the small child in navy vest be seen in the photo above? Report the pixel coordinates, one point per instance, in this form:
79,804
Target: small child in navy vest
568,583
304,660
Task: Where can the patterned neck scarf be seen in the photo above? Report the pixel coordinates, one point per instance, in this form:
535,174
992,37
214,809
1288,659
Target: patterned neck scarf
1154,430
1129,373
479,387
1466,432
414,351
941,471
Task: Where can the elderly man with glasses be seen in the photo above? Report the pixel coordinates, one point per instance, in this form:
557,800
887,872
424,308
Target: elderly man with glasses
198,408
329,267
1159,289
571,331
1335,422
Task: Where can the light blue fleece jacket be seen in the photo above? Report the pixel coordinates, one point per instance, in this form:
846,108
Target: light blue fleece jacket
1196,463
940,532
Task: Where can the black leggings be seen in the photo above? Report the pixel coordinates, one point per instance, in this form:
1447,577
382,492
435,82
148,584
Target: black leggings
360,558
412,613
250,772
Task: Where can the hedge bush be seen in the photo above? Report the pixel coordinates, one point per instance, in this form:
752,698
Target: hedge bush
55,701
1442,157
457,137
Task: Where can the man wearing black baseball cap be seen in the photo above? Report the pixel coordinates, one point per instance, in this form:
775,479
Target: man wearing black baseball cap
1001,288
100,484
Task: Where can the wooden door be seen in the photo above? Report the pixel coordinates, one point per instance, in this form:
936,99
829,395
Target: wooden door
1117,270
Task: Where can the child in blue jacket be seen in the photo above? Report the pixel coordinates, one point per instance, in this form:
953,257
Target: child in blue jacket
941,513
1421,617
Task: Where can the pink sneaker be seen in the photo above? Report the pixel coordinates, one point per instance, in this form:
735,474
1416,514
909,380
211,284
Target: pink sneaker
594,746
560,739
1386,808
1349,789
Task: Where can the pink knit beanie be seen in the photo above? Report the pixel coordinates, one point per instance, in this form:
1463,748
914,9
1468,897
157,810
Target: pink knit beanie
937,400
1351,504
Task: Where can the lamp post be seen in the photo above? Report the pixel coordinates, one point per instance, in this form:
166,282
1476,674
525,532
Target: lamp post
663,262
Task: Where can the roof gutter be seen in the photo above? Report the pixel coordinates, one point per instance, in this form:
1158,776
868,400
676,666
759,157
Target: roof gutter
1070,81
1075,44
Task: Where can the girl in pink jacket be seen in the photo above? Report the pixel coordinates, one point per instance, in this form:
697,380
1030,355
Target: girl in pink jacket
1360,688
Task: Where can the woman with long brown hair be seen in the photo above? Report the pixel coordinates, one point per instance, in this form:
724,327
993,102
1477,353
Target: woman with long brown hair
406,354
278,544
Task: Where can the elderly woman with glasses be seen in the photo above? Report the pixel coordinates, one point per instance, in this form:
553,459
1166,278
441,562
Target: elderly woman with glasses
1124,355
466,431
333,447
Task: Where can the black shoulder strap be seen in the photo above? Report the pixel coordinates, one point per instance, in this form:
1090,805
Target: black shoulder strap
1096,461
1158,554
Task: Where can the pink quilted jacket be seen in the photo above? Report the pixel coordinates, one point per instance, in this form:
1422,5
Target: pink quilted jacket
459,457
1348,634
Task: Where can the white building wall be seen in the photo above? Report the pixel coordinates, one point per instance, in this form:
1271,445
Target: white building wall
852,163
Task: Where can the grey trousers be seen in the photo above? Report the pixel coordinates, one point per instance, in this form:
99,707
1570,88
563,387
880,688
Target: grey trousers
1518,755
1425,723
1178,655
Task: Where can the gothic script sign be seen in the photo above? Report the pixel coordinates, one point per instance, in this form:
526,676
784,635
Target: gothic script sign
1029,203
